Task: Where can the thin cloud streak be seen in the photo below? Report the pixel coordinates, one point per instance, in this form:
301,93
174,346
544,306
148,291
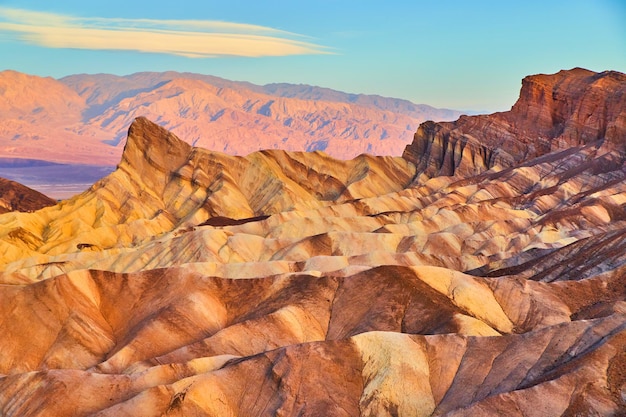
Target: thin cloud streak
189,38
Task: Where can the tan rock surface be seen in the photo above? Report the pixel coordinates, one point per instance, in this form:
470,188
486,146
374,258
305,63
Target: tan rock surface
189,282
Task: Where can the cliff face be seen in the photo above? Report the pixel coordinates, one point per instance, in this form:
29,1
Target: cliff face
558,111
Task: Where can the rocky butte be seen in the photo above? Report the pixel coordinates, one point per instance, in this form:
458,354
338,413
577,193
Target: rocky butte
191,282
554,112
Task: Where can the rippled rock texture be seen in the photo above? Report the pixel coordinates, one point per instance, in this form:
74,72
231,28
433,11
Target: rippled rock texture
189,282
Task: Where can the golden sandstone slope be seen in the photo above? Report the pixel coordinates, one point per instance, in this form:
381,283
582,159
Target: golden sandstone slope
190,282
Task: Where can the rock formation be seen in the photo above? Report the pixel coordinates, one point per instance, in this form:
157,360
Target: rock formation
16,197
554,112
84,118
189,282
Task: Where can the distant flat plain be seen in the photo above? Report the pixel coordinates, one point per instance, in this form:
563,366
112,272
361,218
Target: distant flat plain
57,181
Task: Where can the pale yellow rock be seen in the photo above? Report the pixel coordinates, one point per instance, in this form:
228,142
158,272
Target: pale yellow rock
397,376
469,326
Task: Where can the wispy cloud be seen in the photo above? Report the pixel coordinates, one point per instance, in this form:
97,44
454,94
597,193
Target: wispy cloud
190,38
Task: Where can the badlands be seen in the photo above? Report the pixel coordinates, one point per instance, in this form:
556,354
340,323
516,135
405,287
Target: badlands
481,273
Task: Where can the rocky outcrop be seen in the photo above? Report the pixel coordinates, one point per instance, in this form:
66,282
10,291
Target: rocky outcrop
16,197
163,184
572,108
554,112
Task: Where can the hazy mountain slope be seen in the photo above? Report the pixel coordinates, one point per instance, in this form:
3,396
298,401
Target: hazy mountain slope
105,89
239,118
189,282
37,120
87,118
307,92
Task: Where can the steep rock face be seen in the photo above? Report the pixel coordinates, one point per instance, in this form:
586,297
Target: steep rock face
558,111
572,108
16,197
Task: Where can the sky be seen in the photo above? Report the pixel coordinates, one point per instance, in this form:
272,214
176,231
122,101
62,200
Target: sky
459,54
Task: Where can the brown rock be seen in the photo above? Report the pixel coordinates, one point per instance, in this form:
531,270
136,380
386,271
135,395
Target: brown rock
570,108
17,197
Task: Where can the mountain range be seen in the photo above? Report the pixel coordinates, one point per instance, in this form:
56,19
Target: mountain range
481,273
83,118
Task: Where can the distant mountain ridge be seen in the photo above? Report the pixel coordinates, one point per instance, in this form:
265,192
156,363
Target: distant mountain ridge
84,118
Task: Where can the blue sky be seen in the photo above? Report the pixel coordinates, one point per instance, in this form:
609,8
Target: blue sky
468,55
